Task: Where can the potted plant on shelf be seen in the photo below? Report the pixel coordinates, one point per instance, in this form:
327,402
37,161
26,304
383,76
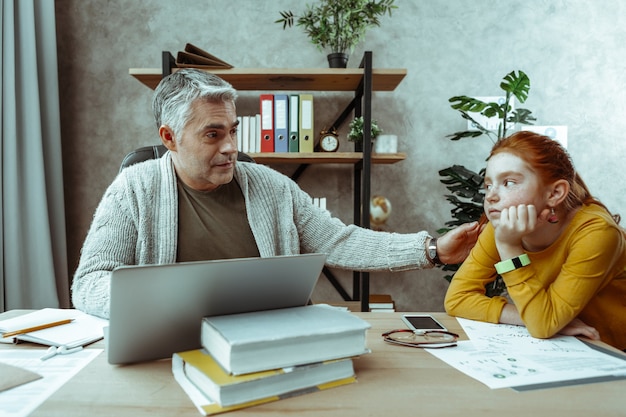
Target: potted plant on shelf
355,134
465,185
337,26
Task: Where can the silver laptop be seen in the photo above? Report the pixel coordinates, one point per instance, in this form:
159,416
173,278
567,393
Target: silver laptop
156,310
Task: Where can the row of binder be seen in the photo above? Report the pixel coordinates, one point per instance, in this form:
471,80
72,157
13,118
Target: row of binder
284,124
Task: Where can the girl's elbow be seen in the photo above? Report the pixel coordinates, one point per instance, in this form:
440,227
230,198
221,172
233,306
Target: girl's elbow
450,304
540,332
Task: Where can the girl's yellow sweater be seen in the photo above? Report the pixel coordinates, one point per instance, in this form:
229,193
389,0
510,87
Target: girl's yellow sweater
582,274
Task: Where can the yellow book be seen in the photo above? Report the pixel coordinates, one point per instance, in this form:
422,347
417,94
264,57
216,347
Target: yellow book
214,391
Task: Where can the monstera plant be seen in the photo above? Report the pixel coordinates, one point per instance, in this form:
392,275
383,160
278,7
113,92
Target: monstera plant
464,185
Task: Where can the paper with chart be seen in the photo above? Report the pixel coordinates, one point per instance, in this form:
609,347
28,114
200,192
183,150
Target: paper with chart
502,356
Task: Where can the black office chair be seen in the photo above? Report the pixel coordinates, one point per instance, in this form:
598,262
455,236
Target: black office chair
156,151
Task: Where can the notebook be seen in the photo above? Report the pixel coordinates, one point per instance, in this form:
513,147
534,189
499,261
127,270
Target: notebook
74,328
157,310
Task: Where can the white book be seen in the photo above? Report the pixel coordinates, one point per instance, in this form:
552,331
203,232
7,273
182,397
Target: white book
239,134
252,134
245,134
257,137
272,339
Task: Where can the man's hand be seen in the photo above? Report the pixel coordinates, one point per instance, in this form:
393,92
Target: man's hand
455,246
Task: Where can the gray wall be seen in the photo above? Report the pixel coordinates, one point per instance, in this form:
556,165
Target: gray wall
573,51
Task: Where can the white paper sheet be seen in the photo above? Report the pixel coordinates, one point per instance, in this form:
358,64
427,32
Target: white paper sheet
502,356
21,401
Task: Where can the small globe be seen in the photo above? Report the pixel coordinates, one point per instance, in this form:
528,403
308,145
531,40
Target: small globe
380,209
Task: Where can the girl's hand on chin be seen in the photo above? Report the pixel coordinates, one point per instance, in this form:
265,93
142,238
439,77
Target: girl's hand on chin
516,222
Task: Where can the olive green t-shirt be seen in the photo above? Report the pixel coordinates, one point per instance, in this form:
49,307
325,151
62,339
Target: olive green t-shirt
213,224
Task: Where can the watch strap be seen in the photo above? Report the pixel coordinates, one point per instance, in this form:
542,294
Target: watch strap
512,264
431,252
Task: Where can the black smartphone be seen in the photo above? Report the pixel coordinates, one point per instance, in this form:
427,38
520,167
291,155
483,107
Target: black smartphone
421,323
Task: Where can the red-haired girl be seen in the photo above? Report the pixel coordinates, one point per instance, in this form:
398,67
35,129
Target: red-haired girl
559,251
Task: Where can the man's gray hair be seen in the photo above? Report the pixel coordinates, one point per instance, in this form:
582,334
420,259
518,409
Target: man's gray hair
175,93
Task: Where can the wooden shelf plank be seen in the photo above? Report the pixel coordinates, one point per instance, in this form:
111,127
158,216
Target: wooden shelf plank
284,79
324,158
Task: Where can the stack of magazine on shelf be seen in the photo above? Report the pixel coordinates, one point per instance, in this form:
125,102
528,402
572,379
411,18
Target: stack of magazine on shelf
194,57
254,358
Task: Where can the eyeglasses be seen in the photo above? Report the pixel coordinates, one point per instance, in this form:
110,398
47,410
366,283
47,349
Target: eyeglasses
431,339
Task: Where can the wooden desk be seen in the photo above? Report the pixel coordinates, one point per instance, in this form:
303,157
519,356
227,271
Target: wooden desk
392,381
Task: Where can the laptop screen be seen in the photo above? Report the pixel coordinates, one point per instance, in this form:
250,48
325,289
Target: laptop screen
156,310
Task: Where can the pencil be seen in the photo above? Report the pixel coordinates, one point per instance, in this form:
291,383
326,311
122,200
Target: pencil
35,328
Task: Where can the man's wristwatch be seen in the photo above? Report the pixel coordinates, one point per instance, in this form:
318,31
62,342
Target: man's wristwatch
431,252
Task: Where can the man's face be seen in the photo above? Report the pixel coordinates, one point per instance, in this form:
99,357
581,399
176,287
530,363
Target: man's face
205,154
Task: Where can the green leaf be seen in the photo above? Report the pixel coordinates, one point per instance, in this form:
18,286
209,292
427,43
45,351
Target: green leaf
517,84
467,104
465,134
462,173
494,109
467,196
286,20
521,116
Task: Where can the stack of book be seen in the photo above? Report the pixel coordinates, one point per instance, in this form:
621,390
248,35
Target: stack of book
249,133
381,303
253,358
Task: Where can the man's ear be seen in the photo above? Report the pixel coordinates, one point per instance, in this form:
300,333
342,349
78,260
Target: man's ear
167,137
558,192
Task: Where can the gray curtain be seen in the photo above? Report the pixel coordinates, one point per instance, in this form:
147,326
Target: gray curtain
33,247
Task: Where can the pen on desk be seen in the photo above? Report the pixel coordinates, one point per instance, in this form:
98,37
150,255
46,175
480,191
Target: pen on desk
35,328
61,350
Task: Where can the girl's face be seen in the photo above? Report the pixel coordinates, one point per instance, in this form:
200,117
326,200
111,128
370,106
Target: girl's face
509,181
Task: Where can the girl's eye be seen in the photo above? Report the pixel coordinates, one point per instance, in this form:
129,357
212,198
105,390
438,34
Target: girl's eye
488,186
508,183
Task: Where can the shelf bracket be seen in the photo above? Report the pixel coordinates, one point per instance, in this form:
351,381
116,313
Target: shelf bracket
346,112
298,172
333,280
167,63
366,91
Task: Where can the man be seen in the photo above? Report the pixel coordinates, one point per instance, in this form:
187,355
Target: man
197,203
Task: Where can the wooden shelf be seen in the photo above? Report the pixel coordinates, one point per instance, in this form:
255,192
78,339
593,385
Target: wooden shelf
325,158
277,79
